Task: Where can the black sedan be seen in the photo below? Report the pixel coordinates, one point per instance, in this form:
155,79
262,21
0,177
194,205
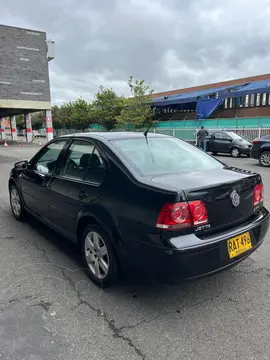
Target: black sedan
227,142
148,204
261,150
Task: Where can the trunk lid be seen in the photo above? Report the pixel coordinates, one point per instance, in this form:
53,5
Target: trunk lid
217,189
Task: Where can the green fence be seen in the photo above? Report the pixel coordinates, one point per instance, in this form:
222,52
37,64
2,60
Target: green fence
186,129
217,123
232,123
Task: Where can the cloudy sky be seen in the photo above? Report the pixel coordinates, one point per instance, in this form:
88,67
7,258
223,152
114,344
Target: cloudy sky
168,43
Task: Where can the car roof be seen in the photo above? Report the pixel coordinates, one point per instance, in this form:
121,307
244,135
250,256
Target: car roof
220,130
115,135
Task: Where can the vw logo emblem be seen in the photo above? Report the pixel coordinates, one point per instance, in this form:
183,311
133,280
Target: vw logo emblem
235,197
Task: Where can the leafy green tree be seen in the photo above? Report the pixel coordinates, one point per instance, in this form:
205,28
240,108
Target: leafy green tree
62,115
137,110
20,122
37,120
80,114
105,108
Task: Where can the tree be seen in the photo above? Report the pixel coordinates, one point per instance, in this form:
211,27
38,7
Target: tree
62,115
37,120
20,122
105,108
137,110
80,114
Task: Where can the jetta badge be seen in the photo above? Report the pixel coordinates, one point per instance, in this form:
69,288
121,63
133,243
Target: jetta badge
235,197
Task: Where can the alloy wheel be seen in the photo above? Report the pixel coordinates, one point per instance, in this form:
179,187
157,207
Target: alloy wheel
235,152
96,254
15,202
265,159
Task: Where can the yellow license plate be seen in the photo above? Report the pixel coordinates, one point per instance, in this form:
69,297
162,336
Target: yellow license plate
239,244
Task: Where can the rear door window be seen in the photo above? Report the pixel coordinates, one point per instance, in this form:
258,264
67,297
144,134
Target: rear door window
77,160
96,169
83,162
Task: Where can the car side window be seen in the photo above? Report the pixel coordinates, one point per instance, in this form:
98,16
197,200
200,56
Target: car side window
96,169
221,136
45,162
77,159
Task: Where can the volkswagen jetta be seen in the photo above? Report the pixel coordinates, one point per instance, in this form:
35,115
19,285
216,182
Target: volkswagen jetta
145,203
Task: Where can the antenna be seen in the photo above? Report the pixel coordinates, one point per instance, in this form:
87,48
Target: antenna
147,130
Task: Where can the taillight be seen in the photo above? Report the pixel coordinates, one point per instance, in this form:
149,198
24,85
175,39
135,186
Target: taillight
255,141
198,212
182,215
258,194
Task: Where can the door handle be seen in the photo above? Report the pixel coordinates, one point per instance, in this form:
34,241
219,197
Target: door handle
82,194
46,184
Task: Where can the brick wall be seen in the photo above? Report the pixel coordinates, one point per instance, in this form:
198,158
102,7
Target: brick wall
24,71
243,112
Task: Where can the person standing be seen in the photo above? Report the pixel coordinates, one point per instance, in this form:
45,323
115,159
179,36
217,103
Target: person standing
196,138
201,138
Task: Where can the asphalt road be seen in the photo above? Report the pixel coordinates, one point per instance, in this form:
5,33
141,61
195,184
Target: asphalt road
49,309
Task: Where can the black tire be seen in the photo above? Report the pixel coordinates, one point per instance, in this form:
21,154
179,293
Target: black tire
235,153
264,159
214,153
17,210
105,280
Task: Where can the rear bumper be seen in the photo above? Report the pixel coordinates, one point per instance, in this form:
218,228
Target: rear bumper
193,257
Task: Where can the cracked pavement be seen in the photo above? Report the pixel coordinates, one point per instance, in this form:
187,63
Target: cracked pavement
49,309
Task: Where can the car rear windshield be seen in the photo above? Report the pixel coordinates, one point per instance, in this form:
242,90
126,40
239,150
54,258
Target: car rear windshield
157,156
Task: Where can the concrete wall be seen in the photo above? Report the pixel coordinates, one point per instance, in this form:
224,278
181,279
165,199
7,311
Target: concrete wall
24,72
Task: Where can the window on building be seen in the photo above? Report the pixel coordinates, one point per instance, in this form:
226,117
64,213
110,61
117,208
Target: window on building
252,100
226,104
264,99
246,101
231,103
258,100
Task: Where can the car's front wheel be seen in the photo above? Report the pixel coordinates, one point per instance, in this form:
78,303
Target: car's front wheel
99,257
16,203
235,152
264,159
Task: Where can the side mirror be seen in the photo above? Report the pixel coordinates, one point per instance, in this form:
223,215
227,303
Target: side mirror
21,165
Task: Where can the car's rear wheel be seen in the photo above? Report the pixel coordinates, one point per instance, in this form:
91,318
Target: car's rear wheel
214,153
264,159
99,257
16,203
235,152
